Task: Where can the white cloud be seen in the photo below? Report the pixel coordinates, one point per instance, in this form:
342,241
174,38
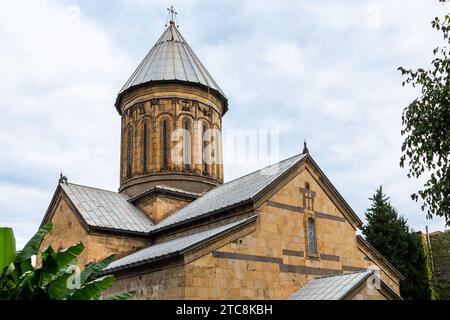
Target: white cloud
284,60
58,83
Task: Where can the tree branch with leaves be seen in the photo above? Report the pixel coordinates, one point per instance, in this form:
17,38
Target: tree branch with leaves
426,127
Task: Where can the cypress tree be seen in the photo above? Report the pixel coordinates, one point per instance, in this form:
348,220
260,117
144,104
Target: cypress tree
391,236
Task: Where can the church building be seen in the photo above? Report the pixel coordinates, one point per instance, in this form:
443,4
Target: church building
179,232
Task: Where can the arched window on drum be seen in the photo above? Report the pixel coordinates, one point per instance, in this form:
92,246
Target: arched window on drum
130,152
165,144
186,144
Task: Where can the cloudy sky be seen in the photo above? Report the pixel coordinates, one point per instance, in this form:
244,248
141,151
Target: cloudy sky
324,71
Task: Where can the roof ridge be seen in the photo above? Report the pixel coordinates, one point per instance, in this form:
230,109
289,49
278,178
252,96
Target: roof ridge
94,188
344,274
173,188
256,171
162,187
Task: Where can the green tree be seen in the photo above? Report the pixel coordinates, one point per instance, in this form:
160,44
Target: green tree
426,127
416,286
54,279
440,247
391,236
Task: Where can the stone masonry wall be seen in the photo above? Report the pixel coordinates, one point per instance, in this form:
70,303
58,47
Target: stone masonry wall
271,258
162,284
367,294
159,207
67,229
273,261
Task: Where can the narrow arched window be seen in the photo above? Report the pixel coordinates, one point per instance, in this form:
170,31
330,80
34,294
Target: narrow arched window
218,157
145,147
212,155
130,153
186,145
165,145
312,245
204,153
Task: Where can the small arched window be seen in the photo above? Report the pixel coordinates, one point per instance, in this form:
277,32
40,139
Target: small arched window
204,153
186,145
312,245
130,153
165,144
145,147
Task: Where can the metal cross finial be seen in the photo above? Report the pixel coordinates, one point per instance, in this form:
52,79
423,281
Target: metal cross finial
305,148
173,14
62,178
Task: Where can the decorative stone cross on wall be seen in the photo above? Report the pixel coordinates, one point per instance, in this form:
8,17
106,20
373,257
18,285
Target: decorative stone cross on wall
308,201
308,198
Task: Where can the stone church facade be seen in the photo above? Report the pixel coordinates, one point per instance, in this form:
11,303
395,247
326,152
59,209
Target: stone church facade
179,232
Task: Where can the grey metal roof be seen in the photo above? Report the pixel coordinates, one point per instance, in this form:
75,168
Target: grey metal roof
173,246
231,193
164,188
106,209
171,58
332,287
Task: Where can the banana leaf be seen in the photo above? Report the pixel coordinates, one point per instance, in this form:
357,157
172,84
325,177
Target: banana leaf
7,248
123,296
92,290
55,264
32,247
93,269
58,289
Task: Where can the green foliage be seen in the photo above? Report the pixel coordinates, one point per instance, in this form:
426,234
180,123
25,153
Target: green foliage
32,246
429,270
123,296
426,127
391,236
57,278
7,247
92,289
383,228
440,247
93,269
416,285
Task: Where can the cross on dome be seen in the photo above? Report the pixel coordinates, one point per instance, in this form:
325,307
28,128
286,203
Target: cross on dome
172,13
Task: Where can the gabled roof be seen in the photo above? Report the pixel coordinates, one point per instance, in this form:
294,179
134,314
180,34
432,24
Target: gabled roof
335,287
171,58
106,209
115,211
339,287
162,189
230,194
175,247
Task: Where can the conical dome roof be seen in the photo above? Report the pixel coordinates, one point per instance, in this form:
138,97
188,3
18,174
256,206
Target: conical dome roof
171,59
